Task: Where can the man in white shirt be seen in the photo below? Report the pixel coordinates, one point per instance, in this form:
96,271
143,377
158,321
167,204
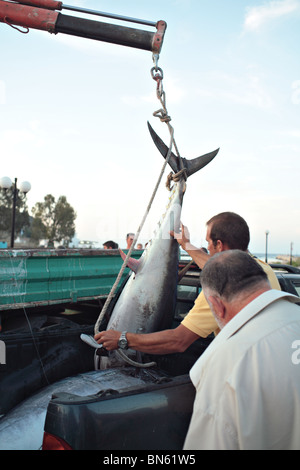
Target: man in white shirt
247,383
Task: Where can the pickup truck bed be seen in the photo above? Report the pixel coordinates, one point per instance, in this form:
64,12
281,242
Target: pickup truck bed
147,411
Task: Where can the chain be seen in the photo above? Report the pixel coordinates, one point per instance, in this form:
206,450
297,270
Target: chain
158,75
162,113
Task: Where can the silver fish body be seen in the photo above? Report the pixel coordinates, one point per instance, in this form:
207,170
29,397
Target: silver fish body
147,302
23,427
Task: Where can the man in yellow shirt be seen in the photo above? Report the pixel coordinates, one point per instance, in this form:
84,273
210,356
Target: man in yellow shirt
225,231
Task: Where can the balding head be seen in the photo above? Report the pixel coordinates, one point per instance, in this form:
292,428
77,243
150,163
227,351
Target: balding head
230,280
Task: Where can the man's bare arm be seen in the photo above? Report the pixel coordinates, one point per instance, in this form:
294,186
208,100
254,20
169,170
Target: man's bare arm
161,342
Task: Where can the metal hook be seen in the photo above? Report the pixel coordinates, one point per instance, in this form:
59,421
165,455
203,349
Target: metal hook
155,58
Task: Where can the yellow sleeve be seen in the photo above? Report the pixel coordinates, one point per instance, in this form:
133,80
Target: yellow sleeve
200,319
270,273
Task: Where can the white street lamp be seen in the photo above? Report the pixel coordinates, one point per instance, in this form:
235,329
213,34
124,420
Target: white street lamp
5,182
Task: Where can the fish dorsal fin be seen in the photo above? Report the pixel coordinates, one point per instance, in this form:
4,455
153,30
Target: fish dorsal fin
191,166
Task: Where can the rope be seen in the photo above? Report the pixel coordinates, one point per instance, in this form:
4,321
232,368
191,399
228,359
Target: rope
134,363
163,115
175,177
6,20
14,276
112,292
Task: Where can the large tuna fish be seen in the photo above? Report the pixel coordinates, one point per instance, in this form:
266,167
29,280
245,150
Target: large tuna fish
148,300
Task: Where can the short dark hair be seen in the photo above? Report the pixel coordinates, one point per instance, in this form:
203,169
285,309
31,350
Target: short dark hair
111,244
230,272
230,228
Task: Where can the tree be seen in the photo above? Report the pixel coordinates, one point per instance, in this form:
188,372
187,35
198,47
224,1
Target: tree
22,220
53,220
38,230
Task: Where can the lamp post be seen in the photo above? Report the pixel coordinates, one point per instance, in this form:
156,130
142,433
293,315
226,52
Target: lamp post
291,254
25,186
267,234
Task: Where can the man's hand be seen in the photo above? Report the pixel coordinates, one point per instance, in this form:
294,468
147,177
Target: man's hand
183,237
109,339
197,254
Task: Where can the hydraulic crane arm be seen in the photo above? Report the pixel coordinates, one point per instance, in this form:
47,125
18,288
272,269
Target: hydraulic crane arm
43,15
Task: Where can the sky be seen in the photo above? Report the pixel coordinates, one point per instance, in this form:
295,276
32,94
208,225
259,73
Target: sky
74,112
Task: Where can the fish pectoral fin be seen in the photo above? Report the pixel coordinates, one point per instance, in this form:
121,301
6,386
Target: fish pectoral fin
132,263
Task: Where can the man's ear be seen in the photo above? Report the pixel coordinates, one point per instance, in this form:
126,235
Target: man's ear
218,306
220,246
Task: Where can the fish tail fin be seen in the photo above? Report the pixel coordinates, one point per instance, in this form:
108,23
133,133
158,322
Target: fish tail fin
190,166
